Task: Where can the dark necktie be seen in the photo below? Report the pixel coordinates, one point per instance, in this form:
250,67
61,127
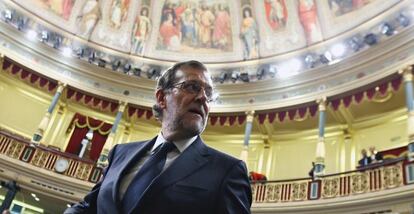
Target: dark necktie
149,171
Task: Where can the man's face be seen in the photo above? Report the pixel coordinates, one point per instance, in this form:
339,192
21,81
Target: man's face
184,113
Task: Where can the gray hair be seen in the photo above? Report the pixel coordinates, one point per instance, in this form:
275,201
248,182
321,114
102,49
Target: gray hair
168,79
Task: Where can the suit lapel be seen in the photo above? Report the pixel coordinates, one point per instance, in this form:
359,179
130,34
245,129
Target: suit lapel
132,157
194,157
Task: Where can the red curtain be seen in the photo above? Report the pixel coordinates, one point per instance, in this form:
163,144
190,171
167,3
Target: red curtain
262,118
98,141
74,145
82,125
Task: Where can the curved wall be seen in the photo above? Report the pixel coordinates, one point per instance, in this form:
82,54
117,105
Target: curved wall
271,152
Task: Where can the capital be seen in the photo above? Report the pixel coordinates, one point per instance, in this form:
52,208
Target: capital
407,73
250,116
122,106
322,103
61,86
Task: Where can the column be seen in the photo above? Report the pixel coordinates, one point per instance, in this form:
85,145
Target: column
247,132
346,151
320,147
264,166
110,141
408,85
57,130
38,135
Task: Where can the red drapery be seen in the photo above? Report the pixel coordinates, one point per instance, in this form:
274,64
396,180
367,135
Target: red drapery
29,76
82,125
89,100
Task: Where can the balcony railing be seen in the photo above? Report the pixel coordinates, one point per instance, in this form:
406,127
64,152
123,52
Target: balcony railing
391,173
20,148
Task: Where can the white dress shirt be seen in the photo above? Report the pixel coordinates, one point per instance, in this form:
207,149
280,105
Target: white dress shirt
180,145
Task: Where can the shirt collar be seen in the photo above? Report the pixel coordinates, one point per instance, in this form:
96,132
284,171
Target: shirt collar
180,144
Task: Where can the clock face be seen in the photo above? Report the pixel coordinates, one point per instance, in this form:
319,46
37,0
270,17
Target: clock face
61,165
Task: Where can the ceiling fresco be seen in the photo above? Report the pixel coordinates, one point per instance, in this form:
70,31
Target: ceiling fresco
262,54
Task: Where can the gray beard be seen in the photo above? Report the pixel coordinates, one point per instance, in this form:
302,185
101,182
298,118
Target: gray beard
189,131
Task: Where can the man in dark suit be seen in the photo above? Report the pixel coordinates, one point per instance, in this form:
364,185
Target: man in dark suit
375,155
174,173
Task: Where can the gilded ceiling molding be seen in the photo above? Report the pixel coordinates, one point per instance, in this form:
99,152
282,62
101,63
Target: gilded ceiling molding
382,98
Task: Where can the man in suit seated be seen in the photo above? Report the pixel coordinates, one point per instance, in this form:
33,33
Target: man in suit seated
175,172
365,160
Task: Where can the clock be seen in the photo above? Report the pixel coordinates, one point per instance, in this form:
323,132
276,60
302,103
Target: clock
61,165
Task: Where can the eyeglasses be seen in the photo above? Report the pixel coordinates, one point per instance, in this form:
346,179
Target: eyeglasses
194,87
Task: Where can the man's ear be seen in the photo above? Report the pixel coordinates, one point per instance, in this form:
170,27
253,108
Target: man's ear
160,97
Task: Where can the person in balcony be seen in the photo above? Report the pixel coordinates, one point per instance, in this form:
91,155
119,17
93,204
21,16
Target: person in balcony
175,172
365,160
375,155
255,176
311,172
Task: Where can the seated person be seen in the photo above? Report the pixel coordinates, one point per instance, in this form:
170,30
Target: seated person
365,160
375,156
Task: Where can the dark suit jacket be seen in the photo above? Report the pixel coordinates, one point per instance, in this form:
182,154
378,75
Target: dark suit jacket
363,160
378,156
200,181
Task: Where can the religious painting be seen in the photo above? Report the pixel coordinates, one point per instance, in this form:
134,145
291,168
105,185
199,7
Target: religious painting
339,16
276,13
88,18
309,20
195,26
341,7
118,13
114,24
280,27
140,31
249,34
62,8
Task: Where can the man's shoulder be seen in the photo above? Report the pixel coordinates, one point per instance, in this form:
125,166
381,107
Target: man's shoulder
224,163
131,146
222,156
